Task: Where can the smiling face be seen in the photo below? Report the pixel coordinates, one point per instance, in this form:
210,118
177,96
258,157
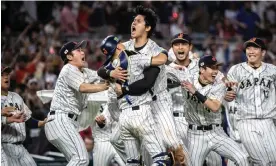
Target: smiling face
5,81
209,73
138,27
77,58
254,54
181,50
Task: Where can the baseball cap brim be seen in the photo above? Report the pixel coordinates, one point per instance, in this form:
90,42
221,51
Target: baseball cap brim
81,44
179,40
6,69
251,43
216,64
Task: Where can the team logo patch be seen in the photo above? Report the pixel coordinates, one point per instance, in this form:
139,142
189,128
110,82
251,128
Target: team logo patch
66,51
253,39
202,64
214,59
116,39
180,35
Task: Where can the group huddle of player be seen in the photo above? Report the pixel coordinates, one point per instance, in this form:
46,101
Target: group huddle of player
159,111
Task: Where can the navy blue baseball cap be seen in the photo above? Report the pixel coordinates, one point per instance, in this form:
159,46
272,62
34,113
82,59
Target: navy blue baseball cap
208,61
5,68
255,42
181,38
69,47
108,47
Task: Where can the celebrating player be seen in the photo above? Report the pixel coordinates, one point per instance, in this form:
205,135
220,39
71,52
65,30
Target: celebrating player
181,47
256,103
203,94
13,134
69,100
142,28
136,122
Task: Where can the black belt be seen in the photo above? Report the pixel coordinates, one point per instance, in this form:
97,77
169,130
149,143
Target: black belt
69,115
135,108
178,114
15,143
209,127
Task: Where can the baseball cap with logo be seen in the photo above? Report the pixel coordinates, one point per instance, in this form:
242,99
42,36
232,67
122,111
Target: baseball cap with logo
108,47
208,61
69,47
255,42
181,38
5,68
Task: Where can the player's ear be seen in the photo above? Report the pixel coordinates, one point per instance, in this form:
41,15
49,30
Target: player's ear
148,28
69,56
263,53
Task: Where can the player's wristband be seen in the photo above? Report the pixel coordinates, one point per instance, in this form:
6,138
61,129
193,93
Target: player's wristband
200,97
108,73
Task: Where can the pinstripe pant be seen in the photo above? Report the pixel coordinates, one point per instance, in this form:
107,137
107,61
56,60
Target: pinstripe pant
163,117
63,134
17,155
118,143
212,159
104,152
201,143
259,138
137,127
4,160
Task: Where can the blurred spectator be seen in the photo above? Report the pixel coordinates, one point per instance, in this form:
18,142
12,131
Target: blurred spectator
68,20
200,19
83,18
248,21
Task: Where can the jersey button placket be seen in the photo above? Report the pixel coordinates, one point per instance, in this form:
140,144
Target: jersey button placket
257,91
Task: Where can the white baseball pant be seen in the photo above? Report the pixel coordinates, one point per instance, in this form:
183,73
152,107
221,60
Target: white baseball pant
17,155
137,127
201,143
104,152
63,133
212,159
259,139
4,160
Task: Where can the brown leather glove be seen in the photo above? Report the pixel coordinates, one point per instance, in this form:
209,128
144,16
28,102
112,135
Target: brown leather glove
179,156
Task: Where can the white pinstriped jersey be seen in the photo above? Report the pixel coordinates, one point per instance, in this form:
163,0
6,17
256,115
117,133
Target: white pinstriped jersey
104,134
67,97
152,49
256,94
192,69
136,65
176,93
196,112
199,114
112,104
14,132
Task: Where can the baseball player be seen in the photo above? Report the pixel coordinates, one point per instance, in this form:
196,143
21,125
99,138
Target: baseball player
69,99
181,46
104,152
142,28
13,134
136,122
203,94
255,96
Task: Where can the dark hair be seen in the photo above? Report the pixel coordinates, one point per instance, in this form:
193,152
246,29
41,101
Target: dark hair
150,17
